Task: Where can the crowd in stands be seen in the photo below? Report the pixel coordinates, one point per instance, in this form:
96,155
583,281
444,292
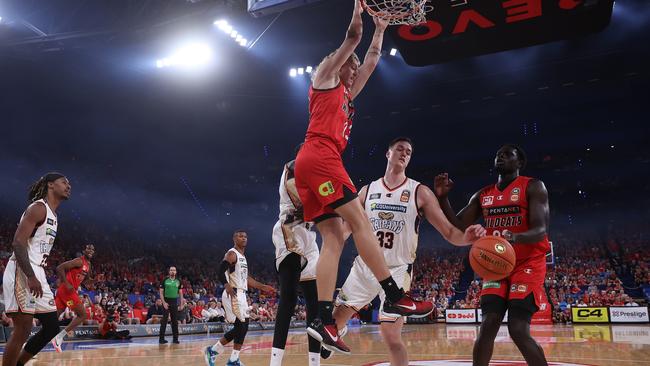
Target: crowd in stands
125,279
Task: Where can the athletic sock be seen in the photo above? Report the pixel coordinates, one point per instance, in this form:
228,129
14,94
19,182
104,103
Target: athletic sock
393,292
325,309
314,359
218,347
276,356
234,356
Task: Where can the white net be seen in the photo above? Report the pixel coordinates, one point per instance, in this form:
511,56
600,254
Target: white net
397,12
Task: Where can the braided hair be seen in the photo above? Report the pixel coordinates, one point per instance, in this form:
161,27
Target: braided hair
38,190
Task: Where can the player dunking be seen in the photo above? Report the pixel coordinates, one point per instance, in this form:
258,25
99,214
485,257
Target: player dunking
71,275
395,205
27,294
233,273
325,189
296,255
516,208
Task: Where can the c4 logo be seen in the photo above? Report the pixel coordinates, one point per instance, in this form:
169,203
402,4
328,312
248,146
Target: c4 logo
326,188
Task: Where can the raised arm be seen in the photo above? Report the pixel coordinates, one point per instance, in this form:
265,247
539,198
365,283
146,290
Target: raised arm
430,209
465,217
371,59
538,219
326,76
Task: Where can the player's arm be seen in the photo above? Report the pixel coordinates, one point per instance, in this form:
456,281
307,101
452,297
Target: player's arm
227,266
62,268
34,216
371,59
465,217
259,285
181,300
538,215
347,230
430,208
327,72
162,295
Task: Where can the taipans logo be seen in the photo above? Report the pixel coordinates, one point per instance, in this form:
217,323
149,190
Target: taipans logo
387,224
385,207
469,363
500,248
326,188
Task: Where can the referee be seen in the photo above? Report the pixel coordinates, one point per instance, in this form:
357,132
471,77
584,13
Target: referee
170,292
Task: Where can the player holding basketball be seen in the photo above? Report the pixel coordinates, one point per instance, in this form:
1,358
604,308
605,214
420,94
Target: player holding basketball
27,294
516,208
233,273
395,205
72,274
296,255
325,189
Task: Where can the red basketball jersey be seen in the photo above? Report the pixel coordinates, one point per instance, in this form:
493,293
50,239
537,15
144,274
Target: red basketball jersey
330,116
77,275
508,210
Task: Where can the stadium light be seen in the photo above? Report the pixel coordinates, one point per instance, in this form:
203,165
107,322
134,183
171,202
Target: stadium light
308,69
192,55
243,42
393,51
293,73
301,71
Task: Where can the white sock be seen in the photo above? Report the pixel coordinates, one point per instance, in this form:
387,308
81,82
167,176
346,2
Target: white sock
218,347
314,359
62,334
276,356
234,356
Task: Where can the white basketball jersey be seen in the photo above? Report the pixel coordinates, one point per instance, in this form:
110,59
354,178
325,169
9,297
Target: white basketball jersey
288,203
41,242
394,216
239,277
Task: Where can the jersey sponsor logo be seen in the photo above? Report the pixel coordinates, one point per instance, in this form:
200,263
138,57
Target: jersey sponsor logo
51,222
488,200
386,207
389,195
50,232
326,188
386,215
491,284
503,210
514,198
515,191
406,196
500,197
375,196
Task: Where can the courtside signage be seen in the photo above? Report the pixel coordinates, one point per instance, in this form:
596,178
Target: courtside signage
629,314
590,315
460,315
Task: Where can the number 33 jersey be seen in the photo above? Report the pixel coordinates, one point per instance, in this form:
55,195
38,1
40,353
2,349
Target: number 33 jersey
395,219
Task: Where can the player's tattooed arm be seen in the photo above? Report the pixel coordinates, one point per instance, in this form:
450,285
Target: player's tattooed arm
371,59
538,218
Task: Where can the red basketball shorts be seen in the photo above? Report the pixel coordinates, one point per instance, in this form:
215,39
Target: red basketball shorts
66,298
320,179
527,277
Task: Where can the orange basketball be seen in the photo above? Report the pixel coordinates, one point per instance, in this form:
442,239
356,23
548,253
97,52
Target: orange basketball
492,258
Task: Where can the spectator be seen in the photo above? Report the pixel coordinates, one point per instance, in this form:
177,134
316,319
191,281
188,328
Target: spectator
155,312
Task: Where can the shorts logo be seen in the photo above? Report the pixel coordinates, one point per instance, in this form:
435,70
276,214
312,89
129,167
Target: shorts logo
491,284
488,200
326,188
528,270
51,302
500,248
406,195
518,288
513,288
375,196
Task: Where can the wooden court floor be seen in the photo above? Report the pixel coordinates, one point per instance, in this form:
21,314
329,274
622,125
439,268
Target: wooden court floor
430,345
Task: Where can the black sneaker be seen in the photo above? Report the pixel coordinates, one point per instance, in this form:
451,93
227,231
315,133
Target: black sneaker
325,353
175,341
163,341
328,335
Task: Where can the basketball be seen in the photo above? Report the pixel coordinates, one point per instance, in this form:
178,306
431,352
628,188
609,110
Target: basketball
492,258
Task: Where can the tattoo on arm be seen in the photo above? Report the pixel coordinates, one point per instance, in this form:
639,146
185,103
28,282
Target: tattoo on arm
22,258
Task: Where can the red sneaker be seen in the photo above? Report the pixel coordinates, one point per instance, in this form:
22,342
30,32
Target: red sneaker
407,306
328,335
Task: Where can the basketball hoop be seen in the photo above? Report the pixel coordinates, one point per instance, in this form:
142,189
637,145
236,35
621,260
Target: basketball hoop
398,12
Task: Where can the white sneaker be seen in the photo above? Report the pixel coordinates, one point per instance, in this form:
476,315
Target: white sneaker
57,341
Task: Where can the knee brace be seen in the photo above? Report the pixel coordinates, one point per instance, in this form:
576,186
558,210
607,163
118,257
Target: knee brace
49,329
241,334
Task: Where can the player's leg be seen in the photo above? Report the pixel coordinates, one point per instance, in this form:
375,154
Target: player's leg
238,342
173,312
493,308
163,325
391,332
397,302
289,273
520,313
342,314
310,292
331,230
22,328
49,329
